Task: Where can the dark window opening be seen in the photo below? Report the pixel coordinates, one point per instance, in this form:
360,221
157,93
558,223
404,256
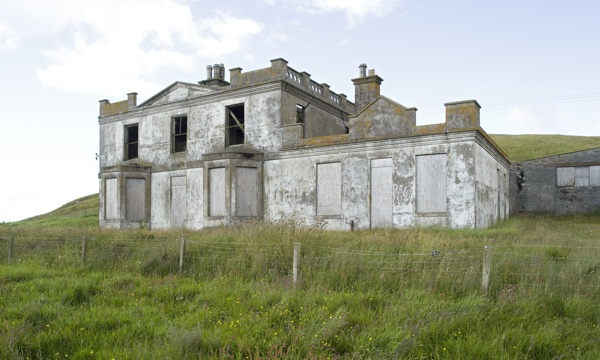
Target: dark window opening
131,142
179,131
235,124
300,114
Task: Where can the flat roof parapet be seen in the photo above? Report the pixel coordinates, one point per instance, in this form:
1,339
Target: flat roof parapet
280,70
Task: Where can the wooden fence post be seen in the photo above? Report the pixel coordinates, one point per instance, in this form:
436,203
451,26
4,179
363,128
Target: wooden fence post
181,254
487,265
11,241
83,250
296,263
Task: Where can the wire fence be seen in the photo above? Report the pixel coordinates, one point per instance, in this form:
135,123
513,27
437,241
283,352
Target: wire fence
500,270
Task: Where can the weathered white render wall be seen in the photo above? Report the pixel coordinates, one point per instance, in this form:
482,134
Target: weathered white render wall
308,156
292,184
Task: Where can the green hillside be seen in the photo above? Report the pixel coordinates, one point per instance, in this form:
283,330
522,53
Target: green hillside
526,147
80,212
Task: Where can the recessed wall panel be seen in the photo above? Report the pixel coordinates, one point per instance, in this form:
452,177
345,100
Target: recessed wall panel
216,192
329,188
178,201
246,196
431,183
111,204
136,199
381,193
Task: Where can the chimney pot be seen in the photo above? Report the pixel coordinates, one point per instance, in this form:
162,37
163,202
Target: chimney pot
372,72
209,70
363,70
216,71
222,72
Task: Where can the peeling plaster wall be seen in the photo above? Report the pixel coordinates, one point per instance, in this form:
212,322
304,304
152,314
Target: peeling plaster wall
461,185
491,186
291,182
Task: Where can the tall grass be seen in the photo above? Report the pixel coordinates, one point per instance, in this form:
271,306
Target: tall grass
404,294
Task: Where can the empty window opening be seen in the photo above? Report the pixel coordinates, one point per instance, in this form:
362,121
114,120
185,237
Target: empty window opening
131,142
179,131
235,124
300,114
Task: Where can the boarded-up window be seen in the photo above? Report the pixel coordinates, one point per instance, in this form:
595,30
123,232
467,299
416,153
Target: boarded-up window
246,197
381,193
178,201
216,192
565,176
594,175
431,183
578,176
111,205
582,176
136,199
329,189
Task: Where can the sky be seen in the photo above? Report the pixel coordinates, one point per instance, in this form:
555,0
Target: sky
532,65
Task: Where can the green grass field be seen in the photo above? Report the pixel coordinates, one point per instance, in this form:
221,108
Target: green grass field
384,294
527,147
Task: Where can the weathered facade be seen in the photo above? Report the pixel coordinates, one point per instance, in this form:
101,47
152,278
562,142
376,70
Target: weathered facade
561,184
275,145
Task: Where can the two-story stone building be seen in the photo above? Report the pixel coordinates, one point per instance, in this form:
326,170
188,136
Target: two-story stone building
273,145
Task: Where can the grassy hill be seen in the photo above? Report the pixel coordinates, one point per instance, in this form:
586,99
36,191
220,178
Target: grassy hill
80,212
526,147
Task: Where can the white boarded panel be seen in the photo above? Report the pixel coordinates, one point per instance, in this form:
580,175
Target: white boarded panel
594,175
431,183
216,192
136,199
381,193
565,176
246,197
178,201
582,176
111,205
329,188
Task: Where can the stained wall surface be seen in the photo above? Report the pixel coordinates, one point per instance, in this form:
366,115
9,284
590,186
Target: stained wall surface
308,156
552,185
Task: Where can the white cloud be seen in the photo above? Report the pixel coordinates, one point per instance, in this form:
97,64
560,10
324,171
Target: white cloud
113,46
7,41
356,11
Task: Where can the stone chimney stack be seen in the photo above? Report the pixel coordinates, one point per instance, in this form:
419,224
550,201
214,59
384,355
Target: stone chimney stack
366,88
215,76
